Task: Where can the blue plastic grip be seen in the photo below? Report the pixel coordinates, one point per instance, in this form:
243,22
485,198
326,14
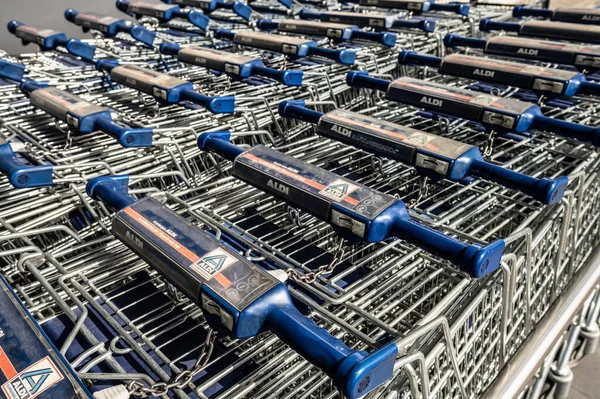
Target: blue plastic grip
218,142
453,40
20,174
198,19
70,14
345,57
169,48
215,104
141,34
112,190
106,65
309,14
266,24
409,57
522,11
487,25
473,259
286,77
295,109
362,79
13,25
80,49
547,191
354,373
388,39
457,8
242,10
128,138
426,25
590,87
221,33
286,3
572,130
123,5
12,70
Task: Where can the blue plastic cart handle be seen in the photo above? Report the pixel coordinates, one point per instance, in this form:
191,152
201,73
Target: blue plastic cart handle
309,14
409,57
568,129
354,373
242,10
215,104
388,39
533,119
522,11
487,25
138,32
547,191
286,77
221,33
453,40
20,174
473,259
426,25
457,8
345,57
266,24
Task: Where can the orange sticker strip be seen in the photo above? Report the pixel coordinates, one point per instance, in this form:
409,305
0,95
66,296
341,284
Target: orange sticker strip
172,243
6,365
294,176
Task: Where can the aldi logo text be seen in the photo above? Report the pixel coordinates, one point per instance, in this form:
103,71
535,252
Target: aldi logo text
338,190
32,381
213,263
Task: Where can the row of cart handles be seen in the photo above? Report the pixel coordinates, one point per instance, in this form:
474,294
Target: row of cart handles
356,212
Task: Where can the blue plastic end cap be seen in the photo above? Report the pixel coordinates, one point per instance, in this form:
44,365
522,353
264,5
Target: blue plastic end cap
353,74
224,135
136,138
121,182
242,10
198,19
80,49
478,261
596,137
292,78
517,11
70,14
282,107
551,191
12,70
169,48
28,177
287,3
106,64
449,38
483,25
464,10
389,39
143,35
403,55
122,5
428,25
13,25
367,373
347,57
221,105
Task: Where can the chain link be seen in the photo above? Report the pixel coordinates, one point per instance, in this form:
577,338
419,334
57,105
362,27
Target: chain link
182,379
323,269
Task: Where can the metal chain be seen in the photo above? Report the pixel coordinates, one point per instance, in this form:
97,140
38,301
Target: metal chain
488,149
423,192
323,269
182,379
